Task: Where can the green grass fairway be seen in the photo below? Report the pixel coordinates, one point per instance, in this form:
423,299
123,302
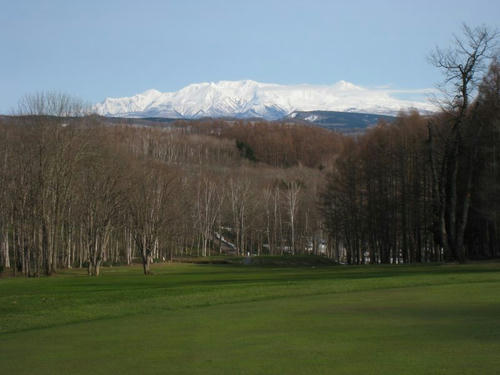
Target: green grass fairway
235,319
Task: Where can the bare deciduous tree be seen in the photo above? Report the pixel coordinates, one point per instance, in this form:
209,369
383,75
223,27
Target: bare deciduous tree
463,66
149,201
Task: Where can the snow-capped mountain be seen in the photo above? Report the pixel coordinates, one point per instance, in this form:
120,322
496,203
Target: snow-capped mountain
246,99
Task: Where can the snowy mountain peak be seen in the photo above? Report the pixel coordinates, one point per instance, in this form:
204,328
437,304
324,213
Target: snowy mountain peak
249,98
344,85
150,92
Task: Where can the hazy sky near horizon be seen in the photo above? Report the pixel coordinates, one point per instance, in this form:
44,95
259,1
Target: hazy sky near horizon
107,48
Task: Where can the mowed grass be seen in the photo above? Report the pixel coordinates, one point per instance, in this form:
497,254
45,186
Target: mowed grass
235,319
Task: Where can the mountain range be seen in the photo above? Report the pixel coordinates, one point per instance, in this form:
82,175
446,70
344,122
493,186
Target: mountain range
250,99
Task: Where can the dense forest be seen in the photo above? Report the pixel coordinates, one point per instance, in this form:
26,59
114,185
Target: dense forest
76,191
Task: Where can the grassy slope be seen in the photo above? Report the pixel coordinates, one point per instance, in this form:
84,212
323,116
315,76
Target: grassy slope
246,320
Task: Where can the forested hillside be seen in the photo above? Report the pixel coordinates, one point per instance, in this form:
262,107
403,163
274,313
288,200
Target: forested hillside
76,192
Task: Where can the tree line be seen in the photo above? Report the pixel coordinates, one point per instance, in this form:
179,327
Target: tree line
426,188
77,192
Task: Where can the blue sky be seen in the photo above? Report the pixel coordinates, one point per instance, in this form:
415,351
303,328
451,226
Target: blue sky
95,49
